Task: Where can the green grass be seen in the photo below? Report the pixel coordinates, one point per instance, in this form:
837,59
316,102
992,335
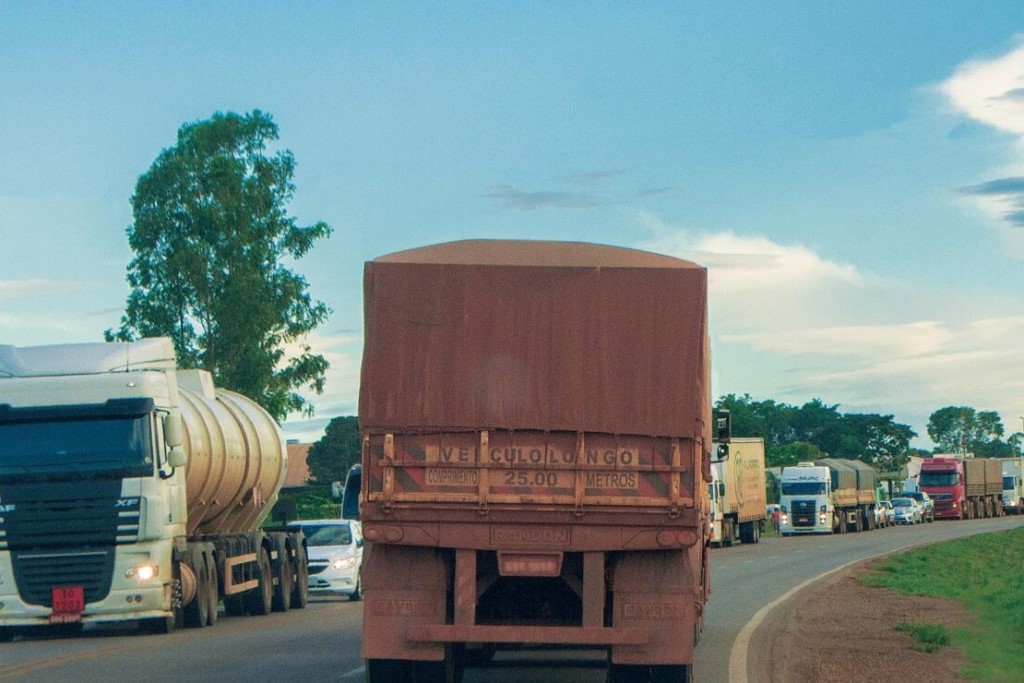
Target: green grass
983,573
929,637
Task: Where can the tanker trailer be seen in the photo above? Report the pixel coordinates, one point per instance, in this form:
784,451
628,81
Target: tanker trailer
132,491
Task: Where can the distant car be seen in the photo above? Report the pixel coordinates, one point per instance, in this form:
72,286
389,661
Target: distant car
925,501
878,511
888,511
907,511
335,548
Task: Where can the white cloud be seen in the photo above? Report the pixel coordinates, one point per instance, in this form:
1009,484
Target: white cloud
791,325
343,350
991,91
24,289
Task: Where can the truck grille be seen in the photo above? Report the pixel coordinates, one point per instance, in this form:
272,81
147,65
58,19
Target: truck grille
37,574
804,513
64,533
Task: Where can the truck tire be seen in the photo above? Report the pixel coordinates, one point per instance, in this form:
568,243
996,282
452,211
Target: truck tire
300,594
234,605
213,594
642,673
261,599
357,594
198,610
389,671
285,579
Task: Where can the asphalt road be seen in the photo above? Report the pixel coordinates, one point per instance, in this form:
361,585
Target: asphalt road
321,643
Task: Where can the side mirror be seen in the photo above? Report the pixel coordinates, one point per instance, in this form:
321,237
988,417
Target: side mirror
174,430
722,452
176,457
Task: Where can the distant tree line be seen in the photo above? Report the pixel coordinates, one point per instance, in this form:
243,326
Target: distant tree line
816,430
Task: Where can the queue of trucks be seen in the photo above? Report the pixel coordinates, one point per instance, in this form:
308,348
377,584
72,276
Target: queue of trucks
134,492
835,496
525,476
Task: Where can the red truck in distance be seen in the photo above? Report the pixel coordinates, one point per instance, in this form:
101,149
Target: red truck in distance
963,487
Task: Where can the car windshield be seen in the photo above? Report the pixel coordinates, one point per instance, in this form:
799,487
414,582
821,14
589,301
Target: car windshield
902,502
327,534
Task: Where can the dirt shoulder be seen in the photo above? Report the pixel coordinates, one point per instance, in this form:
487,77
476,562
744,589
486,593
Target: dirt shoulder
838,630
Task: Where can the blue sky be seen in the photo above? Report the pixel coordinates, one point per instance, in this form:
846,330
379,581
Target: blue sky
851,173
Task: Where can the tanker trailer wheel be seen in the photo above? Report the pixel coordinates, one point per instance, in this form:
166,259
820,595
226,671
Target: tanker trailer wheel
262,598
283,590
300,593
212,593
640,673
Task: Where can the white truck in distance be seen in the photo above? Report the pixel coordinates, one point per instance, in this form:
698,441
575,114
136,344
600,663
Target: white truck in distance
132,491
805,497
1013,485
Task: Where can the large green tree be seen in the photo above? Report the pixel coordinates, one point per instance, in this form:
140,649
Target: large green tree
211,234
962,429
340,447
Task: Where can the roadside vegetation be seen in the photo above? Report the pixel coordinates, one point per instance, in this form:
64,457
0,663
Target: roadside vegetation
985,574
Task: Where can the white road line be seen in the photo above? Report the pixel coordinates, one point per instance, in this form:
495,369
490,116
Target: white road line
354,673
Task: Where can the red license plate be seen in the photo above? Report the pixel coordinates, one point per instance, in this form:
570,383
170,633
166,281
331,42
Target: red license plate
68,604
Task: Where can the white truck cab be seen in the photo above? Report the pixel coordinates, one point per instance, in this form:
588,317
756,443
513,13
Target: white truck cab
806,500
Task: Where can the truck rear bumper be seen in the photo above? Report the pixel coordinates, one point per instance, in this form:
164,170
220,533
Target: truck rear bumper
564,635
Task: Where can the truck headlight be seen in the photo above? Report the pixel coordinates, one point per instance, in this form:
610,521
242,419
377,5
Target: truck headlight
143,572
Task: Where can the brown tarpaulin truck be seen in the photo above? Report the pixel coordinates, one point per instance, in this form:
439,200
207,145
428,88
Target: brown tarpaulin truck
536,423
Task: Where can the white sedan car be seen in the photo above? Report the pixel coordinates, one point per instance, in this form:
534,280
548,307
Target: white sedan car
908,511
335,548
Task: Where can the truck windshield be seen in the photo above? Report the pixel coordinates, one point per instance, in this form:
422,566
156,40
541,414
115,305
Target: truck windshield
103,447
803,488
938,479
1007,483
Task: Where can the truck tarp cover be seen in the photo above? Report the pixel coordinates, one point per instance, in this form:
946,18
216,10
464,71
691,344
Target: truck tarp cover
535,335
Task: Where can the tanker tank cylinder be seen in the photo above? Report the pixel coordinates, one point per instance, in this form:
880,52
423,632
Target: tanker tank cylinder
236,457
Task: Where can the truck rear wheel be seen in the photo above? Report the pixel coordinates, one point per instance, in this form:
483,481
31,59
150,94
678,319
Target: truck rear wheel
300,593
283,589
213,594
641,673
261,599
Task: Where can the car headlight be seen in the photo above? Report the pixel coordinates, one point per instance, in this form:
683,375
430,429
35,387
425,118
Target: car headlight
343,563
